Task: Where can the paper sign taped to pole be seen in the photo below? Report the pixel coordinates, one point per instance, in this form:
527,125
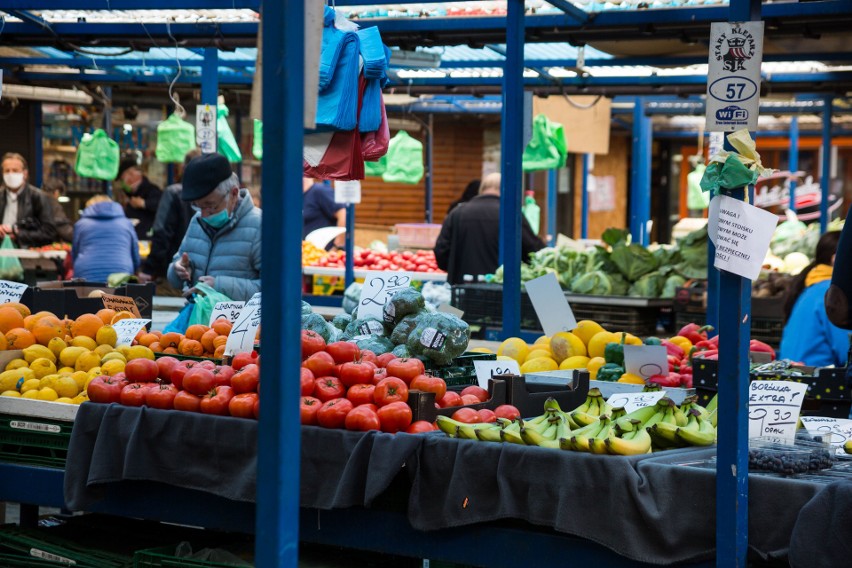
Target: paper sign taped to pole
741,234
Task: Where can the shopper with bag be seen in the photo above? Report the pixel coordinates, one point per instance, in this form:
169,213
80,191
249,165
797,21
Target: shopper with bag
28,215
221,247
104,241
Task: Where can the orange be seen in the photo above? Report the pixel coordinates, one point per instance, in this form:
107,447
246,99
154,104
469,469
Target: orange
220,341
170,351
170,339
155,347
19,338
10,318
47,328
147,339
121,315
31,320
222,326
22,309
219,353
3,343
207,340
190,347
195,331
87,325
106,315
157,332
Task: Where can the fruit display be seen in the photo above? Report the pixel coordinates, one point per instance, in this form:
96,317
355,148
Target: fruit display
366,259
311,253
197,341
52,247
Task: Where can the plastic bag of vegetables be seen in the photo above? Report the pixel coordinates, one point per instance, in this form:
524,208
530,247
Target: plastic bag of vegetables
439,336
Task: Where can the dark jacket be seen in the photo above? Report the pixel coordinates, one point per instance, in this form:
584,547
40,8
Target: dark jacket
151,194
64,228
173,217
469,242
36,225
104,242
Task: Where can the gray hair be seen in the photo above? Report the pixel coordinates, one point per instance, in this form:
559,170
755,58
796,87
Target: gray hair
225,187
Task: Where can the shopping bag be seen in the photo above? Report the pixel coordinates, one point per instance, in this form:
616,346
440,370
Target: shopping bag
175,137
97,156
404,159
695,196
374,145
547,149
376,169
730,175
257,141
342,159
181,322
206,299
10,266
228,146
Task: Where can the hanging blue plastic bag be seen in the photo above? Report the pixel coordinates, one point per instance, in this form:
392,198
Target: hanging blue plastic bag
181,322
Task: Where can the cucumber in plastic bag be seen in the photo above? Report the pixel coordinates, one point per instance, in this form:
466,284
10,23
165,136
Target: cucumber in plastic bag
316,323
340,321
375,343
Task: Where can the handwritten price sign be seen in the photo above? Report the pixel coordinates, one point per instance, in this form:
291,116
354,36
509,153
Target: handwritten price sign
121,304
631,401
226,310
834,430
127,329
241,338
378,287
773,408
11,291
487,369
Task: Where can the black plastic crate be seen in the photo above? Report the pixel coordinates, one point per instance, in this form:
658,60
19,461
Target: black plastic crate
70,298
461,372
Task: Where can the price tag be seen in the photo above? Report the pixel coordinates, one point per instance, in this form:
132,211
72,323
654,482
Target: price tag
241,338
630,401
487,369
550,304
226,310
646,360
741,234
121,304
347,191
205,128
378,287
127,329
11,291
773,408
836,430
733,75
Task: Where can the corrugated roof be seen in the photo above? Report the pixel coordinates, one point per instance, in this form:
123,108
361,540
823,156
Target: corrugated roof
146,16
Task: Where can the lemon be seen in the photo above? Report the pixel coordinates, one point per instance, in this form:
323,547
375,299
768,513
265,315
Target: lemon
630,339
16,364
85,342
538,365
113,356
65,370
87,361
537,353
80,378
30,384
106,335
565,344
80,398
593,365
112,367
92,373
124,350
42,367
514,347
68,356
632,379
11,379
47,393
504,358
481,350
64,400
597,345
575,362
56,345
33,394
542,340
586,330
47,381
13,394
66,387
34,352
139,352
104,350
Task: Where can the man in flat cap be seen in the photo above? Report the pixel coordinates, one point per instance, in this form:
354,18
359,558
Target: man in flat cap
222,244
137,195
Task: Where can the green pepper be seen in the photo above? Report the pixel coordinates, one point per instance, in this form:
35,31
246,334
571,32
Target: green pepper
614,352
653,341
610,372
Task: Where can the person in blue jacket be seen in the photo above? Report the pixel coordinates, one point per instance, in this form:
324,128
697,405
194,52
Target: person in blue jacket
104,242
809,336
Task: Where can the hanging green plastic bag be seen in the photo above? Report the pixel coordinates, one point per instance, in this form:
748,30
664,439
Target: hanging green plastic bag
404,159
695,197
547,149
730,175
175,137
376,169
10,266
257,141
206,299
97,156
228,146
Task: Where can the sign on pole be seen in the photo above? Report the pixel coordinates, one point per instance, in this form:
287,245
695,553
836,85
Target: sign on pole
733,76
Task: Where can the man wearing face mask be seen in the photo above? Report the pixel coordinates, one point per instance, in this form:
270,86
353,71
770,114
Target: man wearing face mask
138,195
29,217
222,244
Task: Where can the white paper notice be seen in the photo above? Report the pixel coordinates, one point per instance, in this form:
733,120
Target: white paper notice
226,310
741,234
550,304
646,360
127,329
241,338
378,287
347,191
487,369
11,291
773,408
631,401
839,429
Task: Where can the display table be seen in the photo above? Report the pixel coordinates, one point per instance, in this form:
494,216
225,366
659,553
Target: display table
37,264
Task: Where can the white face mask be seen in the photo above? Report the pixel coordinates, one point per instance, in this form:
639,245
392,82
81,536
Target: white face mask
13,180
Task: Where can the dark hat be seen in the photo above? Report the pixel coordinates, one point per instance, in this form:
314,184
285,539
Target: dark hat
127,161
203,174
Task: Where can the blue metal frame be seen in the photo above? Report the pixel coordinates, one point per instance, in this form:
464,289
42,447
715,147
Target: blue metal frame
349,275
157,78
793,159
38,150
552,190
825,181
640,174
429,178
584,198
132,5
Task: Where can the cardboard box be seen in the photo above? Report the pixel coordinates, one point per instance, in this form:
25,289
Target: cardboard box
71,298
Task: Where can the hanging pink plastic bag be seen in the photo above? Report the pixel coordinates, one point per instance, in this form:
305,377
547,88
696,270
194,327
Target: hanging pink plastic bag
374,145
342,159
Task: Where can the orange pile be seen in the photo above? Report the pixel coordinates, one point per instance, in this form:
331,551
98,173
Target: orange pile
19,328
198,341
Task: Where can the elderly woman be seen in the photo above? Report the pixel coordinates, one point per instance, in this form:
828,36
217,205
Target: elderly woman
104,241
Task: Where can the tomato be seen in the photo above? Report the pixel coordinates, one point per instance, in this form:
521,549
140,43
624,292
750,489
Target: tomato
216,401
389,390
362,418
105,389
133,394
379,374
141,370
405,368
356,372
187,401
476,391
383,359
343,352
320,364
199,380
328,388
361,394
450,398
368,356
395,416
308,410
180,370
468,399
468,415
246,379
242,405
332,413
206,364
161,396
428,383
507,411
240,360
306,380
222,374
421,426
165,366
312,342
487,415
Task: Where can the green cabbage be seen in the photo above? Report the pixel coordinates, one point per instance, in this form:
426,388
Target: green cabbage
596,283
633,261
671,285
649,286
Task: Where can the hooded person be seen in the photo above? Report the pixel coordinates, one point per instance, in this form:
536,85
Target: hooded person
221,247
104,241
139,197
28,214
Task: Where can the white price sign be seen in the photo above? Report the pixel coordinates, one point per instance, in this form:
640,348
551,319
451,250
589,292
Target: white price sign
241,338
205,128
11,291
646,360
127,329
347,191
773,408
487,369
631,401
378,287
551,305
733,76
226,310
834,430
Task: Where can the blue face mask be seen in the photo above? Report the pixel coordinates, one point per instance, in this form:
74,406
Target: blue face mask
218,220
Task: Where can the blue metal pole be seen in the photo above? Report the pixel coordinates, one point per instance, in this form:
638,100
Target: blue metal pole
429,173
38,143
825,178
552,183
350,244
512,148
277,522
793,161
107,185
584,208
210,80
640,179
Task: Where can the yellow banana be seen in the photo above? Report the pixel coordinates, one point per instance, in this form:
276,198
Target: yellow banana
638,443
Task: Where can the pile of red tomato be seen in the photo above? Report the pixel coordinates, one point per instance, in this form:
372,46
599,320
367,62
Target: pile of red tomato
193,386
412,261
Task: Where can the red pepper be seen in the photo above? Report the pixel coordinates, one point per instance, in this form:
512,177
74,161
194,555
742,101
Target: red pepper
672,349
755,345
686,381
714,341
694,332
671,380
674,362
703,345
708,354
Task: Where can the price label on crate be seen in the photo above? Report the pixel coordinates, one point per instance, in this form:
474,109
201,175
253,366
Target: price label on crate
631,401
378,287
11,291
226,310
773,408
487,369
241,338
550,304
121,304
645,360
837,431
127,329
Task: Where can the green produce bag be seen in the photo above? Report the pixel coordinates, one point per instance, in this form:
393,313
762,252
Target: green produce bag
97,156
695,196
257,140
228,146
376,169
730,175
175,137
10,266
206,299
404,159
547,148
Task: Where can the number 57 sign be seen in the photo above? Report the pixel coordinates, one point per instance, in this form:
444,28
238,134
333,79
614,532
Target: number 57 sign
733,76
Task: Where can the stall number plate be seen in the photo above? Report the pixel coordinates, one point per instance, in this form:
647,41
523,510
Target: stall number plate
51,557
35,426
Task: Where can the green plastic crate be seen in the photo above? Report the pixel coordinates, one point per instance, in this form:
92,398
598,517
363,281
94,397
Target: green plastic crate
164,557
39,544
34,441
461,372
21,561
